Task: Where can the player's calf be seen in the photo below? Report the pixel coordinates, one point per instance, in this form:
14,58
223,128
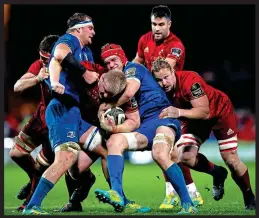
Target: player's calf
240,175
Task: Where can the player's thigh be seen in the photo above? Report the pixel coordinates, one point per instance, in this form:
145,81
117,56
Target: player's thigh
63,124
194,133
150,127
91,138
226,132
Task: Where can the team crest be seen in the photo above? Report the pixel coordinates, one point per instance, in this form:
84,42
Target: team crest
71,134
196,90
176,51
130,72
146,49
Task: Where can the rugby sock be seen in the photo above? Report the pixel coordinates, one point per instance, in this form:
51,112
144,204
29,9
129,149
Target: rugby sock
243,181
204,165
40,193
27,163
175,175
126,200
71,184
186,173
116,167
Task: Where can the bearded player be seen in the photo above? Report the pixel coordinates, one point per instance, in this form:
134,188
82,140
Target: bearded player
161,42
203,109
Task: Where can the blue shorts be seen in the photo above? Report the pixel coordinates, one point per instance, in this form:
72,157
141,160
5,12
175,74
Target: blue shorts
64,123
148,128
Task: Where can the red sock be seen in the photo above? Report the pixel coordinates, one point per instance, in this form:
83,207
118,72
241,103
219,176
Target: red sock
243,182
27,163
203,164
186,173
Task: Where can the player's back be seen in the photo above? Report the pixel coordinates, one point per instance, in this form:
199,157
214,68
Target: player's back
150,97
192,85
71,81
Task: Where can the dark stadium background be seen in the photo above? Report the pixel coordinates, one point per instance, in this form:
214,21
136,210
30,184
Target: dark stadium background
214,36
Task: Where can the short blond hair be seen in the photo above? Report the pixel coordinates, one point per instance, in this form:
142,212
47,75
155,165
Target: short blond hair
160,63
116,81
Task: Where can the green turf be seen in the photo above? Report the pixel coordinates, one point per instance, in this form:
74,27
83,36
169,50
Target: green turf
143,183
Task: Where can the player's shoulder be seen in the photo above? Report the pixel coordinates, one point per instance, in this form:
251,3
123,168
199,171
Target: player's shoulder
147,36
37,63
134,69
173,39
185,77
133,64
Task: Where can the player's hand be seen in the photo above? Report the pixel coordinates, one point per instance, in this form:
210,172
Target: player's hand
90,76
108,123
103,107
170,112
43,74
57,87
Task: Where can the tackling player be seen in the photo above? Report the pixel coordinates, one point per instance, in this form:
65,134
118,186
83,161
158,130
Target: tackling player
62,113
203,109
151,101
35,132
118,60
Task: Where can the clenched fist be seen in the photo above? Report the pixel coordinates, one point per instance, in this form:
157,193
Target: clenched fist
90,76
57,87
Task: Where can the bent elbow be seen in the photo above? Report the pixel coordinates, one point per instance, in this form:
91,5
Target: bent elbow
16,87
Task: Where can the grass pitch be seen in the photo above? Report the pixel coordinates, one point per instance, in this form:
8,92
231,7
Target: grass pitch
142,183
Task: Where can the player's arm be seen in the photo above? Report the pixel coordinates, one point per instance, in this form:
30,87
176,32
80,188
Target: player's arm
131,123
200,110
29,80
131,89
176,54
138,59
55,65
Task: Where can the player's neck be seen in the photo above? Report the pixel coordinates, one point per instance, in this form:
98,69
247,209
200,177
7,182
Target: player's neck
81,43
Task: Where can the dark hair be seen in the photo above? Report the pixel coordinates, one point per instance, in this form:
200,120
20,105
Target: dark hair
48,43
76,18
161,11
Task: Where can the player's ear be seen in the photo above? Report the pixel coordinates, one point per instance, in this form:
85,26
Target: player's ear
169,23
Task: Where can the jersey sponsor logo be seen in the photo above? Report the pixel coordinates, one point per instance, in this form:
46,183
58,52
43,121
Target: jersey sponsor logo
130,73
146,49
176,51
196,90
71,134
230,131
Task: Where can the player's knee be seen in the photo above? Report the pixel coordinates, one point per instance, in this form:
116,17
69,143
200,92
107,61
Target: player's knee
116,143
187,156
16,153
231,159
67,153
160,153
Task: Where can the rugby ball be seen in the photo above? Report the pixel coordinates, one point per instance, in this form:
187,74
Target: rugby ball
117,113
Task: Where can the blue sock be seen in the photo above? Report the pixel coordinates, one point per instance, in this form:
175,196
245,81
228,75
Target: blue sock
126,200
40,192
175,176
116,167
